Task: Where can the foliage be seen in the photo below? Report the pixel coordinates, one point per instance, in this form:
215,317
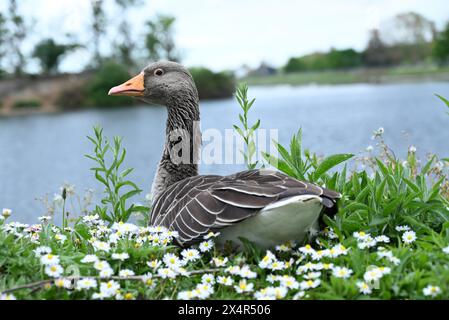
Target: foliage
3,39
73,97
98,26
18,32
50,54
159,40
213,85
246,131
109,75
113,208
334,59
27,103
126,45
303,165
441,46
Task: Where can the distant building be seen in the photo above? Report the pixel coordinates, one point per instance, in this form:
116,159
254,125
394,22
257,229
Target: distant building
263,70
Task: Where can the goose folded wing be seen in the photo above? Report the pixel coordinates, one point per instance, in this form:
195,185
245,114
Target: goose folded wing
198,205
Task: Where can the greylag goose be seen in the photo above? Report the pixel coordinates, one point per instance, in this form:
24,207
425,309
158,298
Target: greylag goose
264,206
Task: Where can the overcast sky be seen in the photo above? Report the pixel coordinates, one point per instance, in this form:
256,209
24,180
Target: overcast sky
228,33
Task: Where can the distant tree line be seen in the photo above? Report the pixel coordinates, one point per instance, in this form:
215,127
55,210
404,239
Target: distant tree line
408,38
126,53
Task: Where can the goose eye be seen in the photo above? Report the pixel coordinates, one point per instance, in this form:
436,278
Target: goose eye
158,72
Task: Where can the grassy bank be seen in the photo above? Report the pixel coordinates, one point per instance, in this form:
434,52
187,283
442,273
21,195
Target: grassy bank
389,239
404,74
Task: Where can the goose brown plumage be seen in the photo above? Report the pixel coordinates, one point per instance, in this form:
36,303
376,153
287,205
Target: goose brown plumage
264,206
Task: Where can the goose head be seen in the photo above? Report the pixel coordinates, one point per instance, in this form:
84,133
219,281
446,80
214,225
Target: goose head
162,82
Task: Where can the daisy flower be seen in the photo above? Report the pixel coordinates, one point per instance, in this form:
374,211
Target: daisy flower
101,265
267,260
312,275
319,254
276,265
402,228
106,272
6,212
100,296
243,286
341,272
289,282
186,295
60,238
382,238
225,280
7,296
446,250
360,235
219,262
101,246
211,235
166,273
204,290
49,259
409,237
190,254
233,269
364,288
63,283
109,288
126,273
120,256
309,284
208,278
307,249
54,270
431,291
44,219
39,251
86,283
206,245
372,275
245,272
154,264
148,279
299,295
172,261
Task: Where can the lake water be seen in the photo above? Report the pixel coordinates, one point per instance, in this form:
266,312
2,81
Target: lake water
39,153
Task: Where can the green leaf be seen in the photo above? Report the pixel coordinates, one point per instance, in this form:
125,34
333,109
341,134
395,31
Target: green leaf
329,163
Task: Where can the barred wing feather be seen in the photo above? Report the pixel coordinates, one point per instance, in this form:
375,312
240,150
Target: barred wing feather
200,204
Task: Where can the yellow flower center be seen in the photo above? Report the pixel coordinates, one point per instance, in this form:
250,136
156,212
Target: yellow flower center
128,296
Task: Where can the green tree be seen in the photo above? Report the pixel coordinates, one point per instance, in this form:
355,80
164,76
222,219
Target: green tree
159,40
126,45
441,46
18,32
213,85
49,53
98,29
376,53
3,39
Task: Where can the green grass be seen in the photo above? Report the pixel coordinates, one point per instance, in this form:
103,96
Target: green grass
389,239
352,76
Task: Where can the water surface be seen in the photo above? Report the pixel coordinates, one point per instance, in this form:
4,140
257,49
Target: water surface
39,153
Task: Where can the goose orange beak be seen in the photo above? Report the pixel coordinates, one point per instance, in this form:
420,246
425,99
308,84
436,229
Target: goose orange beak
133,87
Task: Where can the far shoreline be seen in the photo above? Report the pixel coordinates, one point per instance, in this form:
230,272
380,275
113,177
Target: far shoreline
301,79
